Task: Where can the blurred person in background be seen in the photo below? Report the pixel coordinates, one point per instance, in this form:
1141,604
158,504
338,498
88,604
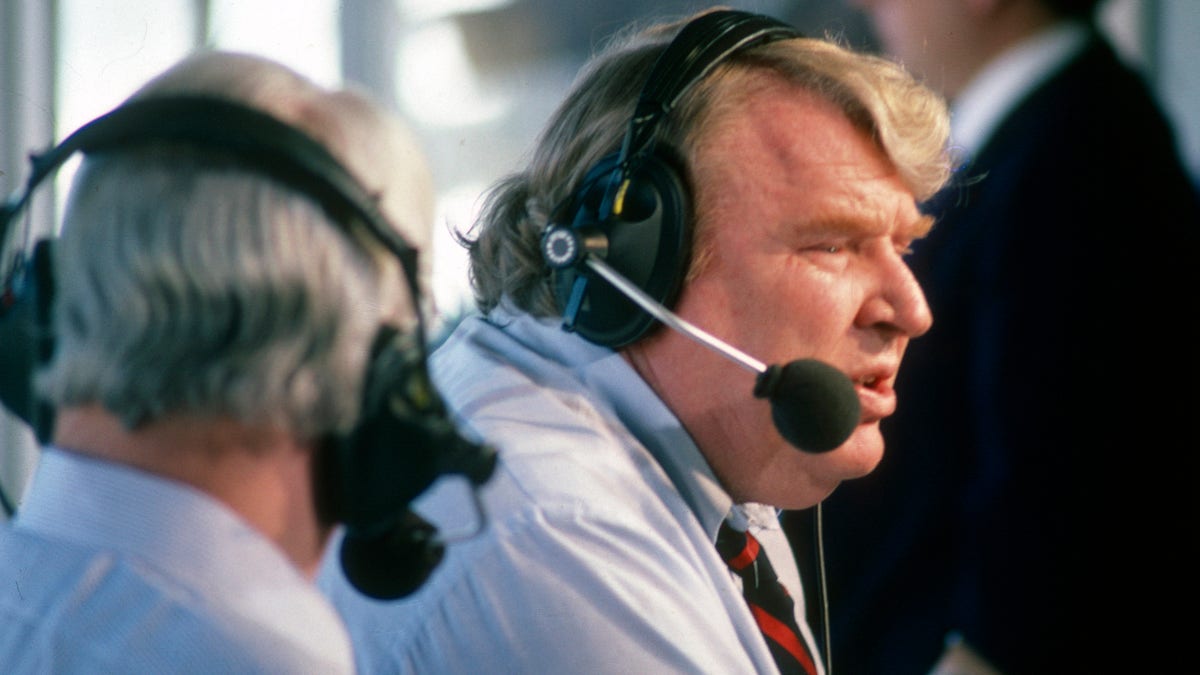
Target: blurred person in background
1032,514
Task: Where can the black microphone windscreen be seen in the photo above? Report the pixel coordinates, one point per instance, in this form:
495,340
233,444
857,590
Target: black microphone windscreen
393,564
814,405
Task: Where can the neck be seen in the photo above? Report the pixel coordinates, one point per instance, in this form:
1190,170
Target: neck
263,474
996,27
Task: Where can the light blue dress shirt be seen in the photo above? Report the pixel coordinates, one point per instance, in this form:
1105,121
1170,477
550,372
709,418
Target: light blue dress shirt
598,554
108,569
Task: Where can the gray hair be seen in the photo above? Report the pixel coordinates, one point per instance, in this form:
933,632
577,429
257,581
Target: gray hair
908,121
187,282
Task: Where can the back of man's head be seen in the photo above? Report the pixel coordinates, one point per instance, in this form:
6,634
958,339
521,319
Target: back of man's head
191,281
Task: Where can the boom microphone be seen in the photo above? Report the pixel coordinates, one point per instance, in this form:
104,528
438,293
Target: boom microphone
393,563
814,405
389,549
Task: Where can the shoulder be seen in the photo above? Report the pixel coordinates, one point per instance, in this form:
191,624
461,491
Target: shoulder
1096,111
520,384
590,559
71,608
594,588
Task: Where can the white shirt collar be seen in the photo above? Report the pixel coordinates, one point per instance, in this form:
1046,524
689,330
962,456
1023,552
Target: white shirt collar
1004,82
754,517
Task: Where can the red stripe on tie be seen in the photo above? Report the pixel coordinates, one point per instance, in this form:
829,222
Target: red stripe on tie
784,637
747,556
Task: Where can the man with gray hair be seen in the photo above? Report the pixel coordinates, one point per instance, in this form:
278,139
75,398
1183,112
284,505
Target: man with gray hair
237,255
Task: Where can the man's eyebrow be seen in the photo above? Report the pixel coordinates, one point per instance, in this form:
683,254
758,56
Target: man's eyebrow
833,226
841,226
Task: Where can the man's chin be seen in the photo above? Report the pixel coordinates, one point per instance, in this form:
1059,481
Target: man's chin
862,452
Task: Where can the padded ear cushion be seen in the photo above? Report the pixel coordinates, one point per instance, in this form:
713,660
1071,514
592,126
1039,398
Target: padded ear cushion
391,455
28,342
206,124
403,442
648,243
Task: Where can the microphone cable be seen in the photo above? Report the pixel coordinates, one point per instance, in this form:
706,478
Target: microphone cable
822,589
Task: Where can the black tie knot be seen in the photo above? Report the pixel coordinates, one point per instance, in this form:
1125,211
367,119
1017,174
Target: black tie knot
738,549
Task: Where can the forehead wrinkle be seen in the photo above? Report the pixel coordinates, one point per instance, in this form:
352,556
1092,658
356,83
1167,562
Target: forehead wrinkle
841,169
848,214
847,207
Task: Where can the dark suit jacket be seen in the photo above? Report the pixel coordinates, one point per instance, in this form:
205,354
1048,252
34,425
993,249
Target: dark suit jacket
1037,488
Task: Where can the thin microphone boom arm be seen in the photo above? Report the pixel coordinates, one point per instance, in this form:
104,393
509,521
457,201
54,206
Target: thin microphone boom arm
661,313
813,405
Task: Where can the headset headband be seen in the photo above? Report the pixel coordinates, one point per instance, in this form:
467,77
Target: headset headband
633,207
255,137
698,48
205,124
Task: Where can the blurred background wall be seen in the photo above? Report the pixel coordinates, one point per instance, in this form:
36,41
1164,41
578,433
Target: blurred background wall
475,78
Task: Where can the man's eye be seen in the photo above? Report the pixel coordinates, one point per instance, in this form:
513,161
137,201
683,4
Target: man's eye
832,246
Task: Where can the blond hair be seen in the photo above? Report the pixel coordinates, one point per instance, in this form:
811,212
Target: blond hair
908,121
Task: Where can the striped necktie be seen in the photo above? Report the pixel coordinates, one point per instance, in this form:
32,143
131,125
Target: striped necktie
769,601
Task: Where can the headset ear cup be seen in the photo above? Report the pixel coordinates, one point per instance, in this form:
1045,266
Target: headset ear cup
647,226
27,336
391,456
404,441
17,335
648,243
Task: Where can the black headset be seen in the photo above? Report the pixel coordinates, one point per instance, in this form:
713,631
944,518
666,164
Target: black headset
404,439
634,207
